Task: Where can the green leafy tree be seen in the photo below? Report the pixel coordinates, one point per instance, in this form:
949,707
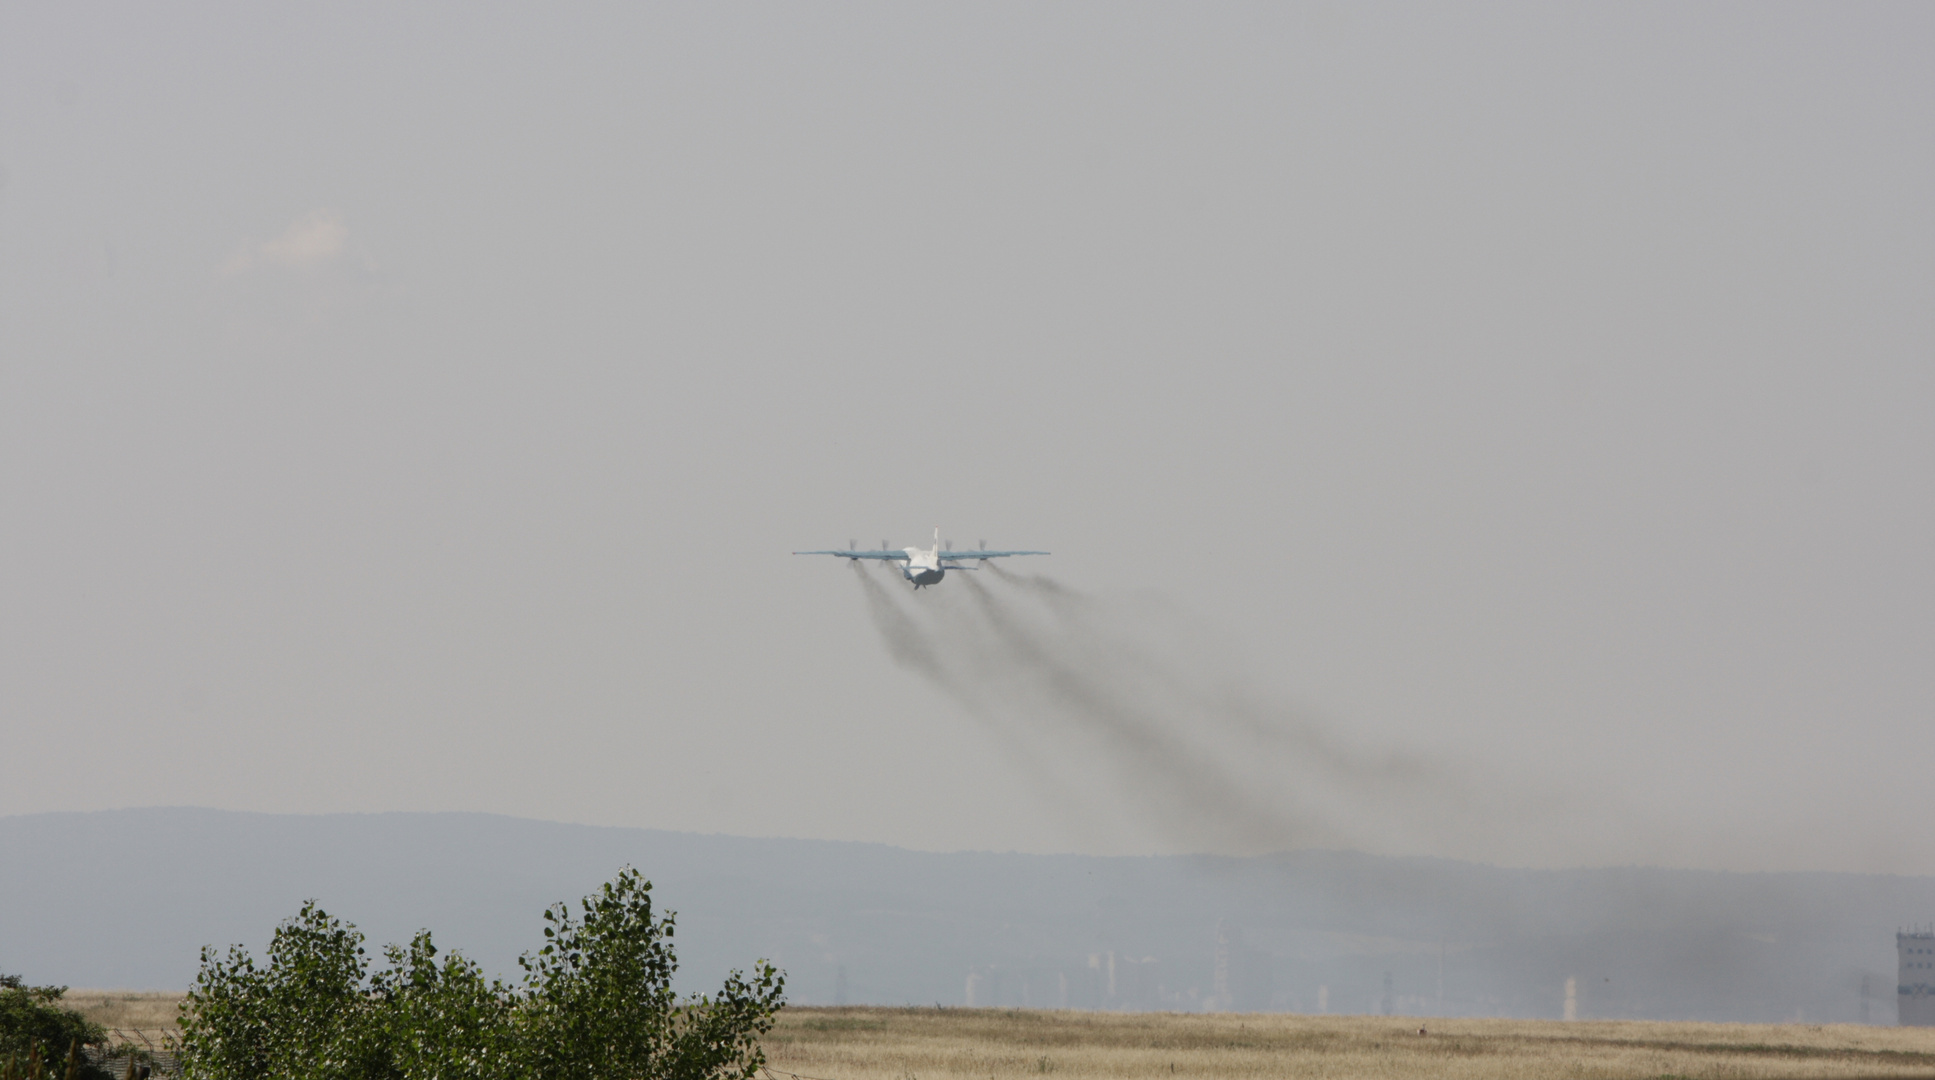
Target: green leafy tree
439,1020
599,999
35,1027
596,1003
298,1017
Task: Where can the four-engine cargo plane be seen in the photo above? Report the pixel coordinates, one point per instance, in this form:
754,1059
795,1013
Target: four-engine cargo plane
924,567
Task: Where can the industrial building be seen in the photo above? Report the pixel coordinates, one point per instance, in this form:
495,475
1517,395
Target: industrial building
1242,980
1915,990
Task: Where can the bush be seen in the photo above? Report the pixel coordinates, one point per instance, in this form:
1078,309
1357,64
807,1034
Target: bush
34,1028
596,1003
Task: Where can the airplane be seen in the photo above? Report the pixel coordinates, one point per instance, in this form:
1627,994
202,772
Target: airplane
923,567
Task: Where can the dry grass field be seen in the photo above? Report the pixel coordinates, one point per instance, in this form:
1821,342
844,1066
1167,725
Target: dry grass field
969,1044
127,1010
1009,1044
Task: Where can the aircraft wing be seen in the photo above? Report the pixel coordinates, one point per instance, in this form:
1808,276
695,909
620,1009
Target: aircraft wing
976,553
853,554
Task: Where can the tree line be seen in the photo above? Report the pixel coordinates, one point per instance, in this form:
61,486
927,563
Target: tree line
595,1003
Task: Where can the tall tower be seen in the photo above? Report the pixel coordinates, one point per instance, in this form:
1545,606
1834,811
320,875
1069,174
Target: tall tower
1915,992
1221,984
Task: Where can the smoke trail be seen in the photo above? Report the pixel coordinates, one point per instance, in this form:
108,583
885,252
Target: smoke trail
1156,760
1205,758
1239,708
912,647
905,641
1212,762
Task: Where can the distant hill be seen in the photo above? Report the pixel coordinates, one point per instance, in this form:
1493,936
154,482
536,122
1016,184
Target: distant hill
127,898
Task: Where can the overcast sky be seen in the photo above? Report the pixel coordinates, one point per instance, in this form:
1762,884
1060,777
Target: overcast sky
415,407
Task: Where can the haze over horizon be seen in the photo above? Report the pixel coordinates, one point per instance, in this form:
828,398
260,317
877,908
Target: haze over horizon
415,410
143,890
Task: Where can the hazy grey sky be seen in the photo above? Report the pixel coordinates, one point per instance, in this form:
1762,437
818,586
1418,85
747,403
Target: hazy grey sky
414,408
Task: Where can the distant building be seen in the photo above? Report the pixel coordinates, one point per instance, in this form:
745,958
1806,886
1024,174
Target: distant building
1242,980
1132,984
1915,992
997,986
1119,982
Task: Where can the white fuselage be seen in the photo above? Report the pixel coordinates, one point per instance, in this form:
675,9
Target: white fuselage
924,567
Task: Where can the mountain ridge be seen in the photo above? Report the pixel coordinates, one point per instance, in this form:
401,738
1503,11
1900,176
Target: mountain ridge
127,898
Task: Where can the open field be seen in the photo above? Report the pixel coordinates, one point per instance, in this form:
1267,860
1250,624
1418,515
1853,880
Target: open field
151,1011
864,1043
940,1044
